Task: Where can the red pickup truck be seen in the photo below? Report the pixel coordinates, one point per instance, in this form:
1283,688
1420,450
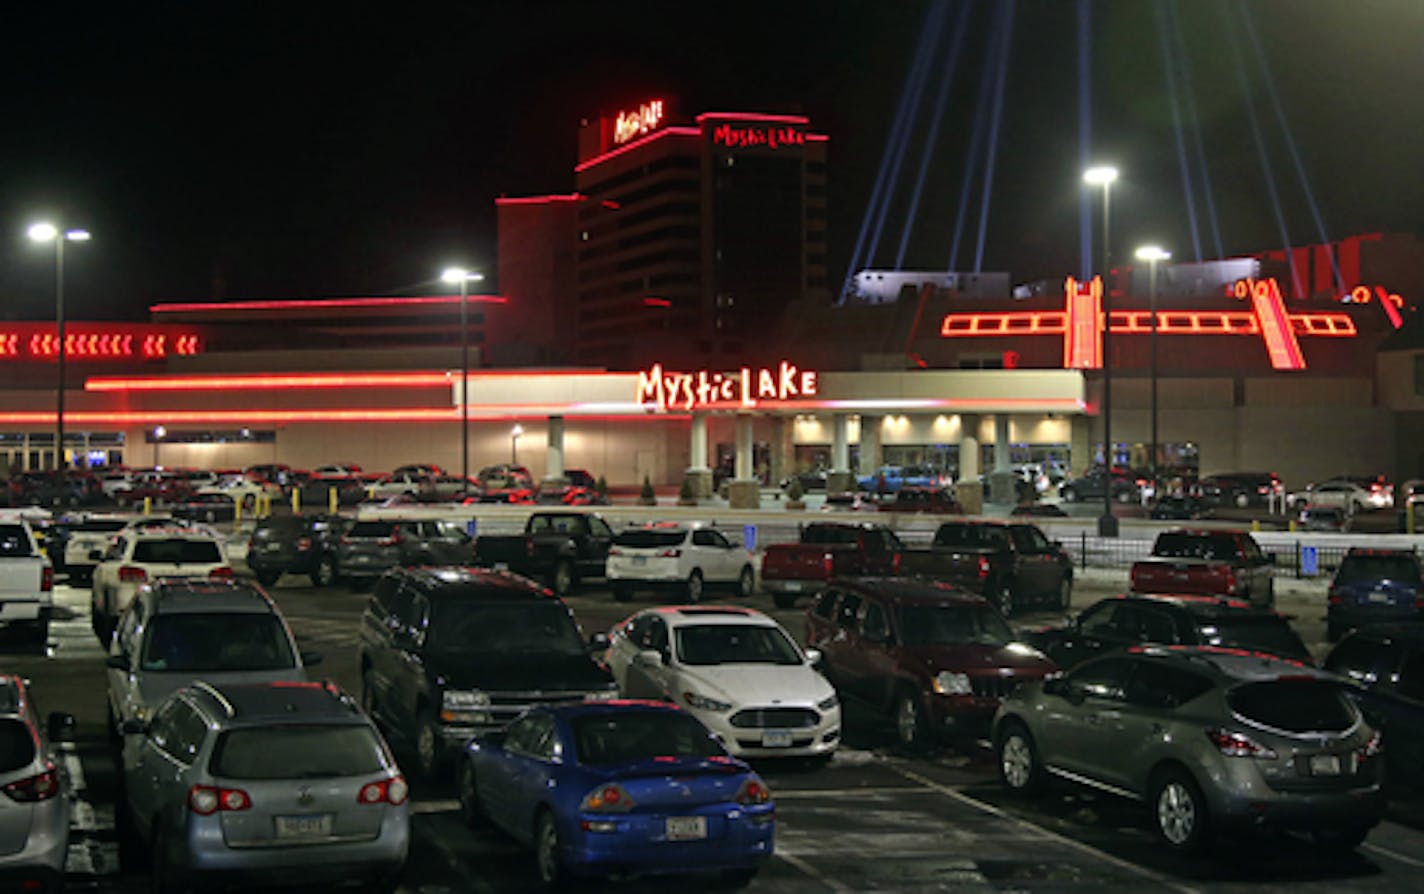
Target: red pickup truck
827,550
1217,563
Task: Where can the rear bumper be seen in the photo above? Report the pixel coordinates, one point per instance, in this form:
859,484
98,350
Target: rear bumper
640,844
293,864
1360,615
45,848
792,586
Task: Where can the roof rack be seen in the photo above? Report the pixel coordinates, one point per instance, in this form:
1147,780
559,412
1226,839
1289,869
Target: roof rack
205,687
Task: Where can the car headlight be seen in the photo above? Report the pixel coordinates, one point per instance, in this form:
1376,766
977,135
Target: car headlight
703,703
464,699
946,683
827,704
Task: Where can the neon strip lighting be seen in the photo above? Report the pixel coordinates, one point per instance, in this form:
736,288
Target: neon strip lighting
539,200
255,416
656,302
1276,327
1017,323
642,141
817,138
320,303
1386,301
42,343
271,382
1082,338
752,116
1139,322
1063,403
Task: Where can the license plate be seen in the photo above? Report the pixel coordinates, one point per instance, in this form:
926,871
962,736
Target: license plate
300,827
776,738
640,560
1325,765
1379,596
501,566
793,586
361,560
273,547
686,828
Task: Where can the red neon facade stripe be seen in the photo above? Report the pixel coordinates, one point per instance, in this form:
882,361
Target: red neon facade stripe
270,382
752,116
817,138
1276,329
1082,327
641,141
258,416
323,303
539,200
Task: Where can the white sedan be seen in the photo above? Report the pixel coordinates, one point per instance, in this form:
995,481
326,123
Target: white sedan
1345,495
736,670
243,489
687,559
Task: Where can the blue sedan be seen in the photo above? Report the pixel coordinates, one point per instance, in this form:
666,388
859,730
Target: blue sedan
619,786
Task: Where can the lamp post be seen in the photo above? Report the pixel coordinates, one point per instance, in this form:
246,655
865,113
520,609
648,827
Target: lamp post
1104,176
1152,254
159,434
514,434
48,232
464,278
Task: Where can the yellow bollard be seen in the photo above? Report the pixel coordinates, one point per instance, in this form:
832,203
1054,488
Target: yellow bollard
237,511
1255,524
148,505
296,501
1292,525
332,501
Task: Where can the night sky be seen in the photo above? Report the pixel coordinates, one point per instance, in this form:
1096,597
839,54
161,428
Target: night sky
248,150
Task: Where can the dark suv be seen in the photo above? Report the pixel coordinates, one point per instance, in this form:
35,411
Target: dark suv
935,658
448,653
1187,620
296,544
1374,585
370,546
1388,666
1240,489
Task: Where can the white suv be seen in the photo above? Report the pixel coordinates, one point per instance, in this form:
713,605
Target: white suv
686,559
138,556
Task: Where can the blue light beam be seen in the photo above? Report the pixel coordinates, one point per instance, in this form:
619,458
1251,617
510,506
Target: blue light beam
1005,35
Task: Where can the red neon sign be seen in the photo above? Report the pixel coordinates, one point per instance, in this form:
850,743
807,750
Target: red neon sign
1281,343
643,120
1082,324
689,391
41,342
734,137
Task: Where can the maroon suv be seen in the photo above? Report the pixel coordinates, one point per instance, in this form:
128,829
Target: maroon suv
935,658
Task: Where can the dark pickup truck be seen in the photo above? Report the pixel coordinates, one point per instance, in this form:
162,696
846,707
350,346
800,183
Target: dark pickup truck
559,548
827,550
1008,564
1215,563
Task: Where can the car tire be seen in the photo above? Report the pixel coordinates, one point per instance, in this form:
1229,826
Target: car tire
1001,594
911,725
563,578
37,633
1340,841
429,749
784,600
622,594
1242,501
1179,811
746,582
737,879
471,810
694,587
547,863
324,575
268,578
1065,593
1068,494
1019,765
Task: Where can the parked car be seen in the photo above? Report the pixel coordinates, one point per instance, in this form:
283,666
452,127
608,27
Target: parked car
1211,562
1240,489
336,470
1182,507
1121,622
210,507
1374,585
284,783
560,548
371,546
1386,662
1211,740
506,483
34,818
888,479
296,544
1010,564
242,489
1341,494
1039,510
64,487
139,555
82,536
734,669
26,581
599,789
1332,519
1093,484
447,653
814,480
159,486
316,491
279,474
931,500
683,558
418,469
177,631
934,658
827,550
580,488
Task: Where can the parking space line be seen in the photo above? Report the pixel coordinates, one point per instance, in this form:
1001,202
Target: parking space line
1394,855
960,796
809,870
807,794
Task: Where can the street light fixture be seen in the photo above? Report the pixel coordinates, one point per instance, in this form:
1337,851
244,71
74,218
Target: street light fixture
464,278
514,434
48,232
1152,254
1104,176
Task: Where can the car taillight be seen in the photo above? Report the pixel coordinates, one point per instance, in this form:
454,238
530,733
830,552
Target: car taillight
615,551
828,565
391,791
1132,578
610,798
205,800
47,579
753,791
670,554
1335,598
1233,744
40,787
1231,580
1373,748
132,574
529,548
222,572
304,543
895,564
983,567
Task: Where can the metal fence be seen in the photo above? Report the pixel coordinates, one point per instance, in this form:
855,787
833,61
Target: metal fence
1298,559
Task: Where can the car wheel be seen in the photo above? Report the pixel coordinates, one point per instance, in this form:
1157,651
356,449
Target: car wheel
325,573
562,580
268,578
694,586
1068,494
1340,840
784,600
622,594
1003,597
1019,766
1242,501
546,851
736,879
471,810
746,582
911,726
429,752
1179,811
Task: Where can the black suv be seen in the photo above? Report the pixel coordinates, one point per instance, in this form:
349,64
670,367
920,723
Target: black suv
448,653
1124,621
1240,489
296,544
1388,666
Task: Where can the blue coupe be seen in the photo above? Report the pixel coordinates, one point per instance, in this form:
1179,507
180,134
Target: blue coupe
619,787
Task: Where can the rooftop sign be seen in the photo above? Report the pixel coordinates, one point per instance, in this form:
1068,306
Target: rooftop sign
644,119
707,389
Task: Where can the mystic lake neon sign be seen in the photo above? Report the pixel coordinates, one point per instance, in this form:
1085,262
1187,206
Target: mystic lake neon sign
686,391
645,119
747,136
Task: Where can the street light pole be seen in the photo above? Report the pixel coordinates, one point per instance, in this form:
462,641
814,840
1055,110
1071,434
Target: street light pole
1152,254
1104,177
464,278
514,443
47,232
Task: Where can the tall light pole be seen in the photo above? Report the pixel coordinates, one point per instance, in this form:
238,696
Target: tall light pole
1104,176
48,232
464,278
514,434
1152,254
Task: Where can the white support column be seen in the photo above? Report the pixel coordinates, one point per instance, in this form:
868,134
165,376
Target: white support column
839,477
869,460
968,489
698,473
1002,485
554,466
744,491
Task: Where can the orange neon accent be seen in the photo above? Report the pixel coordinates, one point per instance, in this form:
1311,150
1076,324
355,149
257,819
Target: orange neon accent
1082,327
642,120
539,200
1048,322
270,382
40,341
641,141
1276,328
1139,322
1391,305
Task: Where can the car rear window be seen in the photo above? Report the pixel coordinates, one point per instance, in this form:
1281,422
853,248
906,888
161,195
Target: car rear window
104,526
216,642
372,529
630,736
1358,569
1267,634
828,534
177,551
1195,546
17,745
14,541
1295,706
649,539
971,536
311,751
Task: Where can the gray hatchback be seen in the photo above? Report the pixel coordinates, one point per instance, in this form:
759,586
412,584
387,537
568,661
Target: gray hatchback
372,546
34,806
1207,737
264,783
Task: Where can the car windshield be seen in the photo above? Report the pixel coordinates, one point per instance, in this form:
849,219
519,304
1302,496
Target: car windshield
953,625
314,751
17,744
216,642
534,629
14,541
632,736
1295,706
177,551
735,644
649,539
1359,569
1264,634
1182,545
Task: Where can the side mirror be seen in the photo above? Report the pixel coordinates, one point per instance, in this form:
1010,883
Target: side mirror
60,726
648,658
133,727
310,659
814,656
598,641
117,662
